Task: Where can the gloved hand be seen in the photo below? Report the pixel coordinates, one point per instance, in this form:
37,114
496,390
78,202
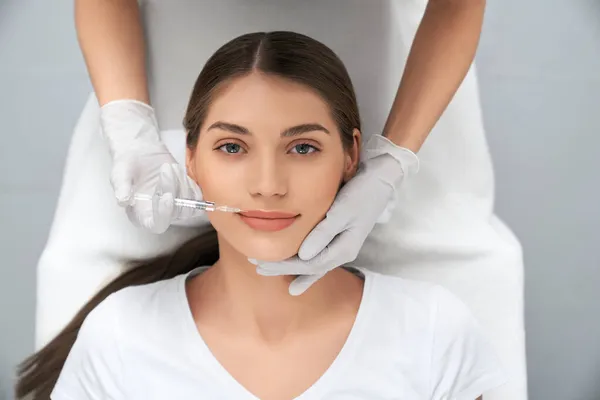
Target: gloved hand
174,182
366,199
131,130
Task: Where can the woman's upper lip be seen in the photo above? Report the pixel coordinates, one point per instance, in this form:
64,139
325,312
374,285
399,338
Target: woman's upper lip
268,214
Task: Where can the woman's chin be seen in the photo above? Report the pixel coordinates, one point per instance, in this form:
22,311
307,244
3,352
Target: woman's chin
270,251
269,256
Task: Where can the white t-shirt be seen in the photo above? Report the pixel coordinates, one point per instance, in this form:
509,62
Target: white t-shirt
410,341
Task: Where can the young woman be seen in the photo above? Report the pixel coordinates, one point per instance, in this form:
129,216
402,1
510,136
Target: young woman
273,128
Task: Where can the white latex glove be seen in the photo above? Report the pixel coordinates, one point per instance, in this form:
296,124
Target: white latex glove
365,200
131,130
174,182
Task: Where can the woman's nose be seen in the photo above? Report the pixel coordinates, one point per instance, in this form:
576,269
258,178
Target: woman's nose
267,176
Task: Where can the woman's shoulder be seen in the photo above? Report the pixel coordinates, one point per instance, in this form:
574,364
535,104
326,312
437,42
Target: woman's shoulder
436,308
95,365
132,306
424,307
403,292
429,317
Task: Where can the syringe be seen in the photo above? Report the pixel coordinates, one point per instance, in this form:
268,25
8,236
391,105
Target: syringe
197,204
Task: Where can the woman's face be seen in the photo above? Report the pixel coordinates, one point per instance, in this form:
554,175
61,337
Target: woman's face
270,147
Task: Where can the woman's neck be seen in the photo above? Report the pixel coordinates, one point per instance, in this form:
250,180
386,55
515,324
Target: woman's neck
232,295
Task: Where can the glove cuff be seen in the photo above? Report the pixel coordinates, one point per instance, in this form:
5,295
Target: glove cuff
128,123
378,145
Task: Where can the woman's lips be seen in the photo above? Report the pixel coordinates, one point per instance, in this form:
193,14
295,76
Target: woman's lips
270,221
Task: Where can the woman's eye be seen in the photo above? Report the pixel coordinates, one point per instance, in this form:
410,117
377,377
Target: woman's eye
303,148
231,148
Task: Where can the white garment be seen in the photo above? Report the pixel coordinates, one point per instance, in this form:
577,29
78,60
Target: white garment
410,341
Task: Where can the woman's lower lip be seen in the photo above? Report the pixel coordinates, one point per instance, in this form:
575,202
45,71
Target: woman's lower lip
268,225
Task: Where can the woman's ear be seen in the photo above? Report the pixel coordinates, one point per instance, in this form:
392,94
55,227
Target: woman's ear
353,156
189,163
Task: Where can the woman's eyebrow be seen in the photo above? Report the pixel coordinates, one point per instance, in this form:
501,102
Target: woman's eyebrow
226,126
293,131
304,128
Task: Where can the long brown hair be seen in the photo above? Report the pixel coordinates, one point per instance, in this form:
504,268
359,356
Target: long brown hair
286,54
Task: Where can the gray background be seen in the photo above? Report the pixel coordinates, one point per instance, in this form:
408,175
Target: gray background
538,67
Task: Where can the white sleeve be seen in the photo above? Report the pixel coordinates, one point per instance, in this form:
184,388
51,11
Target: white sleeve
464,365
93,369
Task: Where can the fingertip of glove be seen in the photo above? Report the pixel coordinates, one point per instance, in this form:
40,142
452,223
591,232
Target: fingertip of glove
310,252
124,197
306,254
266,272
310,248
262,271
298,286
122,185
166,200
297,292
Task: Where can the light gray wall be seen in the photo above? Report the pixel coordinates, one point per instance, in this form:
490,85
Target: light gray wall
539,72
43,86
541,106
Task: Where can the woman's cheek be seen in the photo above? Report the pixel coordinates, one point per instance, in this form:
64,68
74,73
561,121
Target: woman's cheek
217,178
217,185
317,186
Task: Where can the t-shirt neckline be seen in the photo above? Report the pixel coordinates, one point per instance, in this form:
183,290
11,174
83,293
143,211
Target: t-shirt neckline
318,388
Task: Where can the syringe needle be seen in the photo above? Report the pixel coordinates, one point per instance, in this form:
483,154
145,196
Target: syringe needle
227,209
197,204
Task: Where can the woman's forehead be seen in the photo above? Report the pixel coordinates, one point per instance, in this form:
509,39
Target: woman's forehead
266,96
